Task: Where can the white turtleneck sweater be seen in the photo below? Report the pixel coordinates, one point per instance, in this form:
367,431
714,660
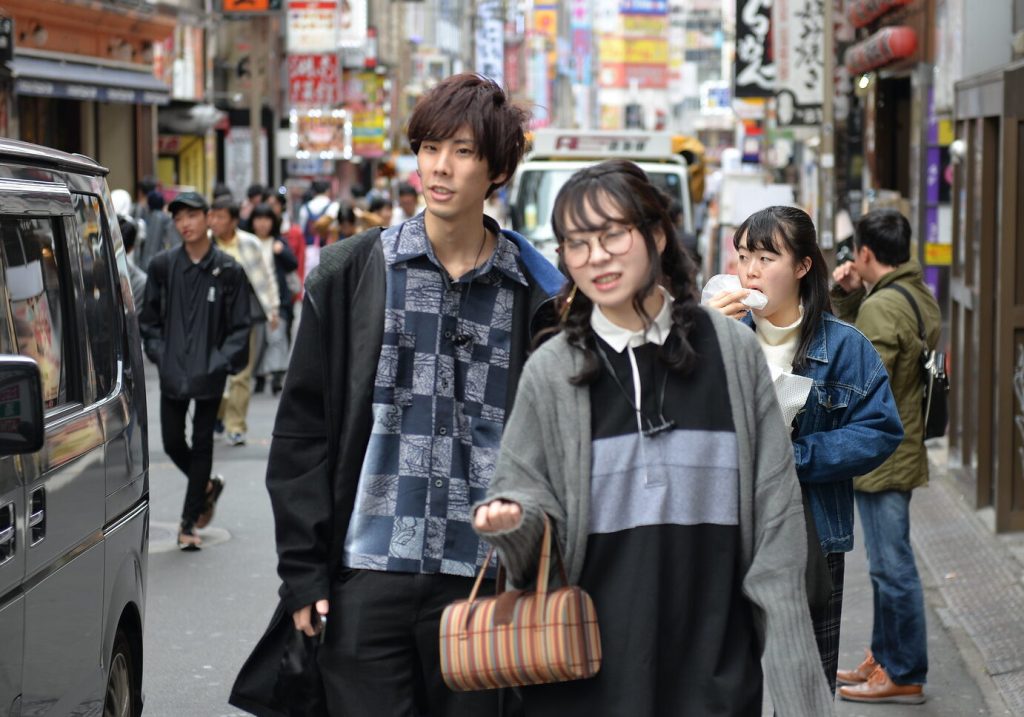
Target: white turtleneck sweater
779,343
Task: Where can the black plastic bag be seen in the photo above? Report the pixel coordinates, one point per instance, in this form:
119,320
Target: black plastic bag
281,678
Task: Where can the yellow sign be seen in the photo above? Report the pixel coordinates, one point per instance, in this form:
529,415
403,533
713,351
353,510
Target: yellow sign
618,50
945,133
938,254
644,25
545,22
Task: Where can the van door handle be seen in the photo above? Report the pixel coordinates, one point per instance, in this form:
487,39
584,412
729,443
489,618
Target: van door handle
6,533
37,516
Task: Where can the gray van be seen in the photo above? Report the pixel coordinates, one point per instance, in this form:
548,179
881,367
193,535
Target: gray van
74,465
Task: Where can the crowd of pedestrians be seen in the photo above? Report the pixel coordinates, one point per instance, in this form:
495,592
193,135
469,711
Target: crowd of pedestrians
274,255
447,389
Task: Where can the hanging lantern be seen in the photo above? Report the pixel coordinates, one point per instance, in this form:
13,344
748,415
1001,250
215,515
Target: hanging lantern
864,12
885,46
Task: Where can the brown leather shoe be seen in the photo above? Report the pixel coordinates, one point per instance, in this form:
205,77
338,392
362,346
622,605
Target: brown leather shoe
214,488
860,673
879,688
187,538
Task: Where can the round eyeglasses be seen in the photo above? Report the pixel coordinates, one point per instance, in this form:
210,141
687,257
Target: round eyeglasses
614,241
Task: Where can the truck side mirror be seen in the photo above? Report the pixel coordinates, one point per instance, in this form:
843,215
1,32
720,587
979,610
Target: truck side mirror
22,429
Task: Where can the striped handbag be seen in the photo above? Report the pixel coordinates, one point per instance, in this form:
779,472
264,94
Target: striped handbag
520,638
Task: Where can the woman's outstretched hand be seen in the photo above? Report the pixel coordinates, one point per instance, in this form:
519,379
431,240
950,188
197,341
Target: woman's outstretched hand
497,515
730,303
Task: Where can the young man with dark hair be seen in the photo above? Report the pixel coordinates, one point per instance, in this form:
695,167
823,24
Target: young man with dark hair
896,666
195,327
265,304
405,365
408,203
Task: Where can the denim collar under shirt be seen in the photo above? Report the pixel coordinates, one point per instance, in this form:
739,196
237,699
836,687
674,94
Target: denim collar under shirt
438,408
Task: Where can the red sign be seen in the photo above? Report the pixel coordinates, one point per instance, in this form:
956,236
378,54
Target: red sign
512,66
313,80
621,74
240,6
886,45
168,143
864,12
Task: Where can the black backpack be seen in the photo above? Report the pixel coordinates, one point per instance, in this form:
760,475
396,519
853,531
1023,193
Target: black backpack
935,401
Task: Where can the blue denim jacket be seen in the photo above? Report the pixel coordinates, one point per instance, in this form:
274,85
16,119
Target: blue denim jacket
848,427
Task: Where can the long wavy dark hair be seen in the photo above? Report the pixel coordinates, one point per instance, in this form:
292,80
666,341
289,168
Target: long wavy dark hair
619,191
792,227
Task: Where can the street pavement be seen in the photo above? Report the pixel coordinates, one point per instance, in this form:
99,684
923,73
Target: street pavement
206,610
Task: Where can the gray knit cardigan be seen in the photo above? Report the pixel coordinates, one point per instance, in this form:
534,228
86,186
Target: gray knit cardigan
544,465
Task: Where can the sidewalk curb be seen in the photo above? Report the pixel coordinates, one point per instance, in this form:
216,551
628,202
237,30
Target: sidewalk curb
979,579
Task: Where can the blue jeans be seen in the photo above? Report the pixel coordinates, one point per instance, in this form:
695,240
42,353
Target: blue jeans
898,638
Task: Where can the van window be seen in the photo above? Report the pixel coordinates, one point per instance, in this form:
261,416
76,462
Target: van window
100,303
6,342
34,292
539,187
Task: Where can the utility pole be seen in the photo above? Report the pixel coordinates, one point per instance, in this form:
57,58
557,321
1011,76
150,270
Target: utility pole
258,65
273,85
827,159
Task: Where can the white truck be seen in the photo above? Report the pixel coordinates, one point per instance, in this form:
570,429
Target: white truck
557,153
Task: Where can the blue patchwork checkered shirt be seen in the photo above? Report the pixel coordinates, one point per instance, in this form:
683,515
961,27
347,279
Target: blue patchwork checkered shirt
438,408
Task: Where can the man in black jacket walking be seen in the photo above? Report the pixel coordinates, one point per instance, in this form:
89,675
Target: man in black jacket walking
195,327
405,365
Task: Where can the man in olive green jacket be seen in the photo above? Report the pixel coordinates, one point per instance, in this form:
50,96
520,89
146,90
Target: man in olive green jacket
896,666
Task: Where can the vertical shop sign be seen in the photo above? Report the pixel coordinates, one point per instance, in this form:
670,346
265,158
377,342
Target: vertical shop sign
582,39
490,41
352,30
755,65
6,38
312,26
798,30
512,69
238,170
313,80
365,100
543,37
844,35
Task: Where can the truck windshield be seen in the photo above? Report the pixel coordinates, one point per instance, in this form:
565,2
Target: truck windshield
531,216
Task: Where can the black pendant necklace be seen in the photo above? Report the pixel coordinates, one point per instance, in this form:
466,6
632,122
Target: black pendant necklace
651,428
463,338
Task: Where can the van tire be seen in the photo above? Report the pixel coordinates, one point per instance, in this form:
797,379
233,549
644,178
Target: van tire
119,700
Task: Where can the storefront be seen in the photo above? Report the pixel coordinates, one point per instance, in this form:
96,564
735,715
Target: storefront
986,431
891,63
186,141
81,80
89,108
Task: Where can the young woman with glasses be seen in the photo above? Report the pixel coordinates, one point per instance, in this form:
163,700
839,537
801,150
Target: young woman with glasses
648,431
848,425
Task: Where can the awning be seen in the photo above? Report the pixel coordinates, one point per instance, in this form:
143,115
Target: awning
43,77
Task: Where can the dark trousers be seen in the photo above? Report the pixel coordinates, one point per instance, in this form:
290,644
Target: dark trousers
194,461
828,620
381,657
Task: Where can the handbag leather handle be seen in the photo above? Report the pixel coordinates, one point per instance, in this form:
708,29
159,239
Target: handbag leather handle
543,565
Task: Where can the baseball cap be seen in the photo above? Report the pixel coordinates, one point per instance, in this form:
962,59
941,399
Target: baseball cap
191,200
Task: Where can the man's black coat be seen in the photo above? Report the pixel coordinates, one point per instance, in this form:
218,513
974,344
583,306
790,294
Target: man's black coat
323,426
